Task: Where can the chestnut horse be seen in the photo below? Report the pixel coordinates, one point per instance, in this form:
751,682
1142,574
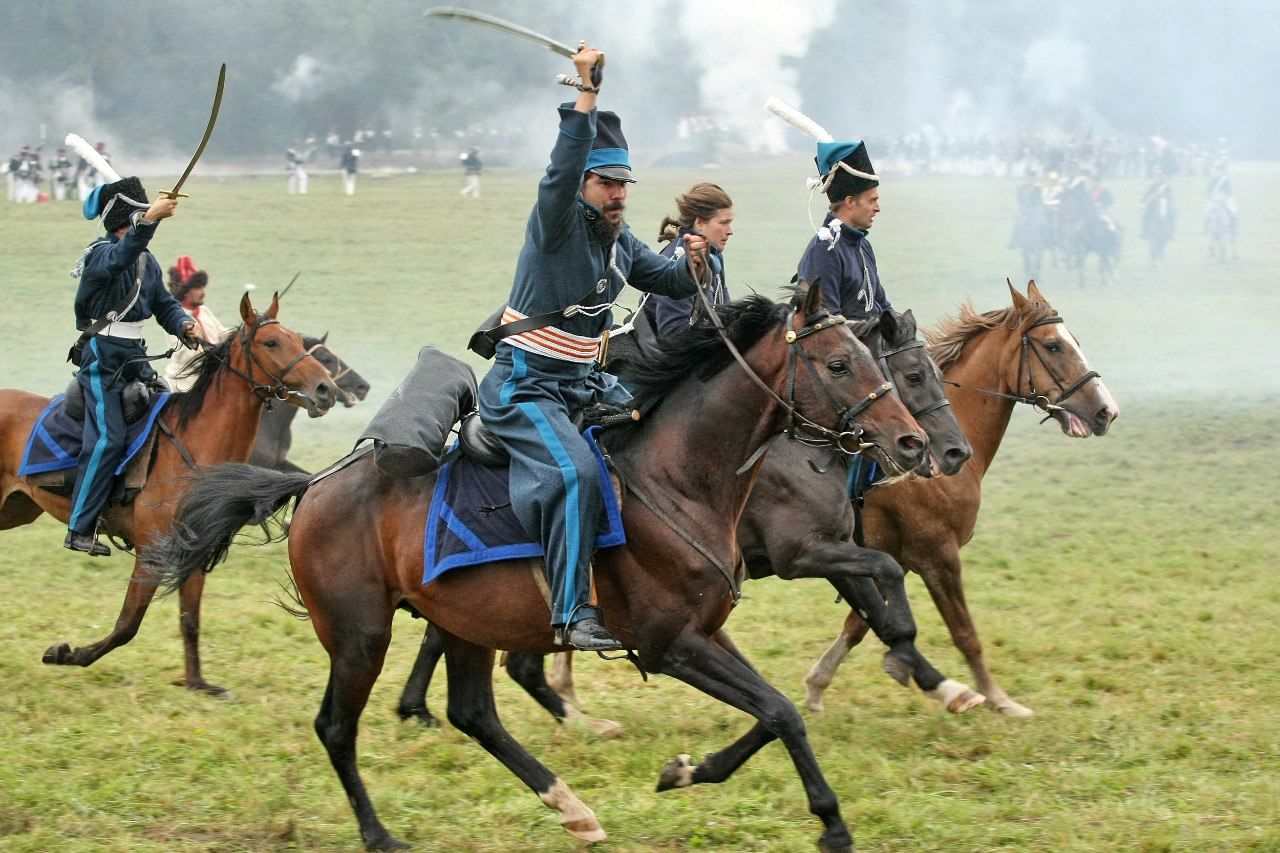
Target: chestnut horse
356,544
213,422
990,362
798,523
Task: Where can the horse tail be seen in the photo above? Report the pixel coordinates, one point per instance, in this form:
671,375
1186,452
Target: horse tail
222,500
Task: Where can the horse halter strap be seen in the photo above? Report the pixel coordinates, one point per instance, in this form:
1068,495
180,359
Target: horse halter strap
1035,399
278,390
883,358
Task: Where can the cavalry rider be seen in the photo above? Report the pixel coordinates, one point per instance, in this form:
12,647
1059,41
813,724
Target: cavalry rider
706,211
576,240
108,270
840,256
1220,194
188,284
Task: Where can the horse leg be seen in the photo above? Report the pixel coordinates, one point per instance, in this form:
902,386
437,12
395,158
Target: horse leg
874,585
189,595
472,711
701,662
356,632
413,699
528,669
136,600
942,578
820,674
561,680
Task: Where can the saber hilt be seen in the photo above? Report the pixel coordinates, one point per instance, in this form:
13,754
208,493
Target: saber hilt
574,82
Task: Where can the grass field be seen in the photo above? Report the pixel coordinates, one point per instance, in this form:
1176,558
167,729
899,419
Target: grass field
1125,587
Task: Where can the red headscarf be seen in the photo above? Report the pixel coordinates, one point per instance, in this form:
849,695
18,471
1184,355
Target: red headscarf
186,267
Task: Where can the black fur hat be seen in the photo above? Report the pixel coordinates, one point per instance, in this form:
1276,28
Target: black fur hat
118,200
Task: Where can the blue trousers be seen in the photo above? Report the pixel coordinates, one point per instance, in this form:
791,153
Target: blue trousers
525,400
104,429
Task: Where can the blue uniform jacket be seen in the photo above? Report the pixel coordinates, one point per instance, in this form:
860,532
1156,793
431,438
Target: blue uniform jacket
668,315
107,278
562,259
840,264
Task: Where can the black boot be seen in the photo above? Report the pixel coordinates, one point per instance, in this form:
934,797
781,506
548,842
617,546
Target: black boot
87,543
588,635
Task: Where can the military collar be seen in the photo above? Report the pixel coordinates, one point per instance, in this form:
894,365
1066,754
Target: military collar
847,231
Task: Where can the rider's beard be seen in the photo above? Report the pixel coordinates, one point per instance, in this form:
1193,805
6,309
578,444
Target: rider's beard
604,230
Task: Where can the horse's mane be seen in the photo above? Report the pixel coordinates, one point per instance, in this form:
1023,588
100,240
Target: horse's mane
205,367
948,340
700,351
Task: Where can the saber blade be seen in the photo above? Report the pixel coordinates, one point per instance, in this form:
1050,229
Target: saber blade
453,13
208,132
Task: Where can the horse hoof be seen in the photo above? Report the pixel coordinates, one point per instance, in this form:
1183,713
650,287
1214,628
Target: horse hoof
421,714
897,668
57,655
838,842
1011,708
966,701
677,774
387,842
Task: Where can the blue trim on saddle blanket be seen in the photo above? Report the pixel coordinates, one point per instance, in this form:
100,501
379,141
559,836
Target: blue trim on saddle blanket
471,528
54,443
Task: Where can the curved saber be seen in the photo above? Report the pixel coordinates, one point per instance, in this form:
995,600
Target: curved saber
208,131
453,13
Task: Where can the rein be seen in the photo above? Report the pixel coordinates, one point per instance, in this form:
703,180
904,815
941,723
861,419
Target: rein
1036,400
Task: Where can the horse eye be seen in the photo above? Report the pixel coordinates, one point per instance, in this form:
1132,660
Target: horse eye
914,378
837,367
271,344
1053,347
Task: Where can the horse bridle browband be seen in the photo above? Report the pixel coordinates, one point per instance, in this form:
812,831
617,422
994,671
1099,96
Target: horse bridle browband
1035,399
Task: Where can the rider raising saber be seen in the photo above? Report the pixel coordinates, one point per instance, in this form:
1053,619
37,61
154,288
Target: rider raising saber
576,243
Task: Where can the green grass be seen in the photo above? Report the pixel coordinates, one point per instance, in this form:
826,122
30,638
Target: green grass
1125,587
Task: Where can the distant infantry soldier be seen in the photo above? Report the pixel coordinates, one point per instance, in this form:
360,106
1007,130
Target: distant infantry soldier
61,175
121,284
576,240
295,162
350,161
471,168
11,176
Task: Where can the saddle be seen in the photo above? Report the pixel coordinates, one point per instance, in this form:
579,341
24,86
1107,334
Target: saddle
135,400
479,444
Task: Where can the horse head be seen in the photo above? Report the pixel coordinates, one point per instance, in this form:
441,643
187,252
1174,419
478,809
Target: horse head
833,381
904,360
1049,369
352,387
274,361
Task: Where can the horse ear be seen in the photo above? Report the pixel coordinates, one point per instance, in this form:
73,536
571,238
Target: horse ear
325,336
909,321
888,327
812,297
1034,292
1019,301
247,314
274,308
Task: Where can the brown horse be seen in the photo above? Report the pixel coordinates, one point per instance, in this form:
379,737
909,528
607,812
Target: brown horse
356,545
990,361
213,422
798,523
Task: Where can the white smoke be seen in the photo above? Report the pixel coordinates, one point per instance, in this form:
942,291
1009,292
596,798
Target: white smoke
307,79
742,49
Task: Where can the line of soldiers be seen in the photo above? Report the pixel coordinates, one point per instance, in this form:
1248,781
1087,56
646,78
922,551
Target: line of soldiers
25,173
299,154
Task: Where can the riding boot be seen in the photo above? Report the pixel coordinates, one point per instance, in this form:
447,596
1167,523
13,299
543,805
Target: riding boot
587,635
87,543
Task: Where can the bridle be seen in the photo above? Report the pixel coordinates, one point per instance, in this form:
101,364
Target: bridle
883,357
1036,400
847,437
275,391
343,368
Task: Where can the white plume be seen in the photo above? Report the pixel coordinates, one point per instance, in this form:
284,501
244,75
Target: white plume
91,156
794,117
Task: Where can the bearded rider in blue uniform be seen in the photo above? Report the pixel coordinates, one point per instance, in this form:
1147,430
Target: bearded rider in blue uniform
112,357
578,254
840,256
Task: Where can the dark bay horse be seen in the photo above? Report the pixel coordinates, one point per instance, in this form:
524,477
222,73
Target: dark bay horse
1087,230
798,523
990,362
275,429
355,545
213,422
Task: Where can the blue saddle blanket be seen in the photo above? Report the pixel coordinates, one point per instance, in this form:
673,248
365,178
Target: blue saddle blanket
471,520
54,443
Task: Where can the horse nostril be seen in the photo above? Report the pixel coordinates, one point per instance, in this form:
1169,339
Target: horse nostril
912,446
324,391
